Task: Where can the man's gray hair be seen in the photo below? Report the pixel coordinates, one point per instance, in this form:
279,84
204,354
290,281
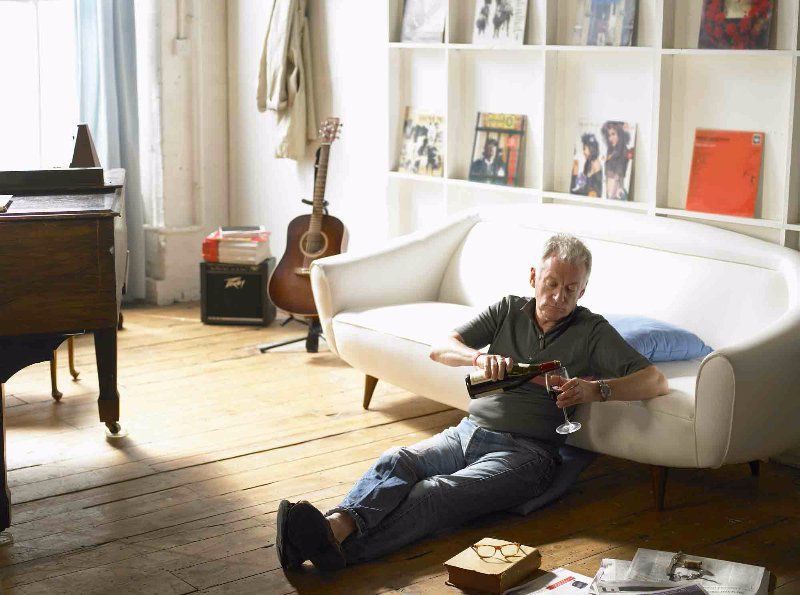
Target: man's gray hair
569,249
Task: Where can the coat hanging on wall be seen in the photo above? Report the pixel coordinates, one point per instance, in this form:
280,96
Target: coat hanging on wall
285,80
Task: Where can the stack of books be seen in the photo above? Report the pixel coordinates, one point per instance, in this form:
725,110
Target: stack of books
238,245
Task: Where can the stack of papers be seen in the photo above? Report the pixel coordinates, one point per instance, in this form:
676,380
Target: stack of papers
649,572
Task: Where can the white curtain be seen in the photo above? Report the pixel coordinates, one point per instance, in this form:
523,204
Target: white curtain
107,99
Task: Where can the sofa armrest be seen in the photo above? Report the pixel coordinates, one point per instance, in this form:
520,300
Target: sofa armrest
408,269
746,399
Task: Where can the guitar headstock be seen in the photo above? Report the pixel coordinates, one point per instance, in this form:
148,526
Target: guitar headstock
330,130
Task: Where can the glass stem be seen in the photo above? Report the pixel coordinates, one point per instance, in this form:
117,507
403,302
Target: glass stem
566,419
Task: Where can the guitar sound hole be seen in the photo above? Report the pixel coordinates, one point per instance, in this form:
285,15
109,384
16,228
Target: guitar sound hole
313,246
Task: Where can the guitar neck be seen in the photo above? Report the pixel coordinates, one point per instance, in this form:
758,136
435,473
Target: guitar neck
319,190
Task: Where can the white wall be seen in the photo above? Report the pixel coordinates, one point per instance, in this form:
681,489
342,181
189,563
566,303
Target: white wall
350,78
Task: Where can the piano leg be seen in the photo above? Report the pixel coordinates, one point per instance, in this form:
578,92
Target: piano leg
105,347
5,495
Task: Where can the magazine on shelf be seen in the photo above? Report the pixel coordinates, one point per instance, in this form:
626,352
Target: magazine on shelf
423,21
421,148
735,24
605,22
726,167
498,151
602,162
499,22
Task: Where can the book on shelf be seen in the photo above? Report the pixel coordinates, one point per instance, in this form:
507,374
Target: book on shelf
735,24
726,167
423,21
602,162
422,142
676,573
498,151
239,245
492,565
605,22
499,22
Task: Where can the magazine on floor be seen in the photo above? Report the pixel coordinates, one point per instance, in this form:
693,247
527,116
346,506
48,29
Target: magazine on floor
554,582
653,571
499,22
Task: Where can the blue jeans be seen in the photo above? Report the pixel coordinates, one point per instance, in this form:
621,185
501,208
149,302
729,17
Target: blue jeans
459,474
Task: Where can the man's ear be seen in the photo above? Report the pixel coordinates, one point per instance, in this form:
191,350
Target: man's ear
533,277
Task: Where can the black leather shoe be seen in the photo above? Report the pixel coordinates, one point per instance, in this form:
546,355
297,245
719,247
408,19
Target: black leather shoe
288,555
310,533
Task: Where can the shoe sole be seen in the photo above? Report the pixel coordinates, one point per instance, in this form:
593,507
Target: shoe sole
281,539
317,540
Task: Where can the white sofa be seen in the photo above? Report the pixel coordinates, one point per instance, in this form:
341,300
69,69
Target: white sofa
381,312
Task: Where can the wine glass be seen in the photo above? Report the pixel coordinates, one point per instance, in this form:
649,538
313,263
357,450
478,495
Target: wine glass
554,380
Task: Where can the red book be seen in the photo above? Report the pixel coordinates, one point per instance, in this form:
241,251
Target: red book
726,166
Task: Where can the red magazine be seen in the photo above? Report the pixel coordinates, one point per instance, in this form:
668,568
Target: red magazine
726,166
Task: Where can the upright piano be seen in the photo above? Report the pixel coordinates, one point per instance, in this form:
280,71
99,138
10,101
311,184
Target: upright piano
62,269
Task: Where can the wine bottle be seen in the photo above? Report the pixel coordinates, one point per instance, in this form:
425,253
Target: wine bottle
478,385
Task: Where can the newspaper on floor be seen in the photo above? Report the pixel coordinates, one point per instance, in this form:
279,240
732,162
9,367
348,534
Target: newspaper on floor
718,577
612,575
554,582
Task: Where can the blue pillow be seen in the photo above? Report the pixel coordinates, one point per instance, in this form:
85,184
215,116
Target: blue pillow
658,341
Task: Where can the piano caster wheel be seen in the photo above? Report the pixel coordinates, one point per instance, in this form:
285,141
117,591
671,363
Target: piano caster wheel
57,395
6,538
115,430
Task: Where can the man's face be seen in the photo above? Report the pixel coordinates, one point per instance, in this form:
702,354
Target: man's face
489,151
558,286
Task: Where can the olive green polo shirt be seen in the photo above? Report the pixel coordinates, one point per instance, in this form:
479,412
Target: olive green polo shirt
585,343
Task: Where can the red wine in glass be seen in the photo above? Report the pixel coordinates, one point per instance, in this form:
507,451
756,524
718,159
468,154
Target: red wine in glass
554,380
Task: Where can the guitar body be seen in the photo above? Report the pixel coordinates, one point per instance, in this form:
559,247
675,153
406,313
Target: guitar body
290,284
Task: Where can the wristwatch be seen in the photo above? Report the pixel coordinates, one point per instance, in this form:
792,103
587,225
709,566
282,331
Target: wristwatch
605,390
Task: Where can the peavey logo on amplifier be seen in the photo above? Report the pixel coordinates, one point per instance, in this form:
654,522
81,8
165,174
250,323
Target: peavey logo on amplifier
234,282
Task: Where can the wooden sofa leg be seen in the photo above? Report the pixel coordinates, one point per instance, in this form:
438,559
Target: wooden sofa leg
755,468
659,484
370,382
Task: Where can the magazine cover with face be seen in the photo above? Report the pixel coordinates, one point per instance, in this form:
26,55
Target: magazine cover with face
605,22
498,150
421,149
602,163
499,22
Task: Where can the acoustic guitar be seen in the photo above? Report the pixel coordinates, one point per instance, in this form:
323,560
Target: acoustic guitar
308,237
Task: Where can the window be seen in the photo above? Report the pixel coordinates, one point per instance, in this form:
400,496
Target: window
38,98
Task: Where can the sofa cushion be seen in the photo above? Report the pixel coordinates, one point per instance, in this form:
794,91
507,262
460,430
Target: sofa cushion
427,322
423,322
658,341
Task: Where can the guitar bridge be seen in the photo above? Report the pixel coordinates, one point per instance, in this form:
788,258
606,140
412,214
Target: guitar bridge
302,271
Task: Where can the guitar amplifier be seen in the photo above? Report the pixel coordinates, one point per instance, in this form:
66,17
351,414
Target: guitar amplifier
236,293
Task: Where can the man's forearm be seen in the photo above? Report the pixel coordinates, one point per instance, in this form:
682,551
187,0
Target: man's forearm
452,352
641,385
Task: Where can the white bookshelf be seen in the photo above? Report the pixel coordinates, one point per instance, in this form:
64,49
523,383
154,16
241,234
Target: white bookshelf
663,83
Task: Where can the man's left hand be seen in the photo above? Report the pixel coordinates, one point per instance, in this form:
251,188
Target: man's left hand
577,391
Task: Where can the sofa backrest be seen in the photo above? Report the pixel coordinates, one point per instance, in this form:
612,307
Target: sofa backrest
723,286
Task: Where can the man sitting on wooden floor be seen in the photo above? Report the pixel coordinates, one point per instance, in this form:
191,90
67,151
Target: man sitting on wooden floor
506,451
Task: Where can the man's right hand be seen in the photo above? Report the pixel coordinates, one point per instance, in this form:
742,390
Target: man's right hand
494,366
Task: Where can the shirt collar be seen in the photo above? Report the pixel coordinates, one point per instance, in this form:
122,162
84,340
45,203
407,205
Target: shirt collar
530,309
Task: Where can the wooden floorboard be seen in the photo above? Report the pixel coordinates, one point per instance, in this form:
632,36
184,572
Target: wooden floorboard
220,433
